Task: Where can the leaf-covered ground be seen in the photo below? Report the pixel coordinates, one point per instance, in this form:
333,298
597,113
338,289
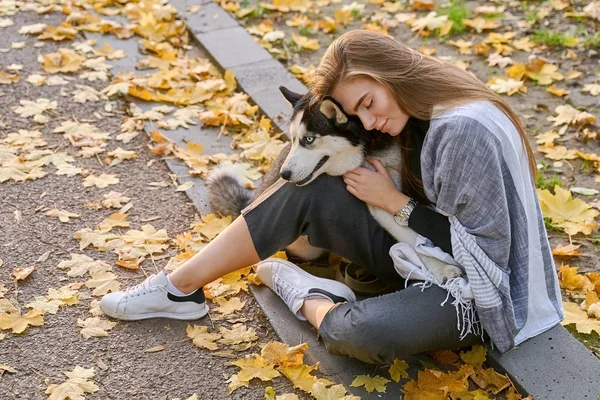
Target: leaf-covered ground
89,206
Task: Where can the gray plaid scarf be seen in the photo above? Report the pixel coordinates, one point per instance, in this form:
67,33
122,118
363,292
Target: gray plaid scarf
475,171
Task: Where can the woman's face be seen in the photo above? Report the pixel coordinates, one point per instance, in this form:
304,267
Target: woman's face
373,103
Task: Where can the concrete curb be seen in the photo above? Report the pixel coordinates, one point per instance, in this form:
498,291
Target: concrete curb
536,367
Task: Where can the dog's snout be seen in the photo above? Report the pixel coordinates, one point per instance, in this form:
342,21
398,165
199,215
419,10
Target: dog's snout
286,174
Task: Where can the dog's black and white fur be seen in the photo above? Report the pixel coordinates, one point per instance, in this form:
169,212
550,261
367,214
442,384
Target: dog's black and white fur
323,140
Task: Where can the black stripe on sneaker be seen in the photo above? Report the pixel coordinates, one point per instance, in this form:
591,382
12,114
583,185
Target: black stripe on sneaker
196,297
333,297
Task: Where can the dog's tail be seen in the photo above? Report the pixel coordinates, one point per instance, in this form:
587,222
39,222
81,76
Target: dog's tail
226,192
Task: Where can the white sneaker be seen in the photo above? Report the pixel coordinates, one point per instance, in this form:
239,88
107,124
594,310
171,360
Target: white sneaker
294,285
152,299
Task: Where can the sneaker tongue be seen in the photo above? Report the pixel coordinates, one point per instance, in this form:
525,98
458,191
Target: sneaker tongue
159,279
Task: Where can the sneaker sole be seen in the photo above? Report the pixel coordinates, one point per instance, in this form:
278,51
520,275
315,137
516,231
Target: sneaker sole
188,316
327,282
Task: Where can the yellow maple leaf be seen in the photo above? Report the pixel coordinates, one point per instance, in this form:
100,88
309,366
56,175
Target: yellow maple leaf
488,379
568,250
475,356
95,327
544,75
370,383
343,17
463,46
281,354
566,114
65,60
300,376
557,152
103,282
64,31
306,43
227,307
7,79
573,215
556,91
22,273
398,370
509,86
524,44
78,383
571,280
49,306
201,337
62,215
18,323
255,368
115,220
147,235
210,226
65,294
102,181
336,392
575,315
238,333
480,24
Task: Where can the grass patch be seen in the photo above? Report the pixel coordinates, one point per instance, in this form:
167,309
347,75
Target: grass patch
547,183
259,12
551,39
550,227
306,31
592,41
456,11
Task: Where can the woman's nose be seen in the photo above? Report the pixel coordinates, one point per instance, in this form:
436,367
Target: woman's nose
368,121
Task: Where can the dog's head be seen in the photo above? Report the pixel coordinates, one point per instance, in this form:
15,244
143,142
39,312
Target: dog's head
324,139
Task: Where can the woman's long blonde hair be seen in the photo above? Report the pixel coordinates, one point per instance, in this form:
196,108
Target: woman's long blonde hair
418,82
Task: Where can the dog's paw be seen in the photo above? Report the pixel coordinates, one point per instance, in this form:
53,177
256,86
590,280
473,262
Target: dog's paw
443,275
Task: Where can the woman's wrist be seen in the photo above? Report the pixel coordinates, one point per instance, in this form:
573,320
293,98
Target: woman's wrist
397,202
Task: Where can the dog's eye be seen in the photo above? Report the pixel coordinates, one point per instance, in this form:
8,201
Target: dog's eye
309,139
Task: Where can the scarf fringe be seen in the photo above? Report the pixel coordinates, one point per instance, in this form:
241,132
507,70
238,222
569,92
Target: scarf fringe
466,315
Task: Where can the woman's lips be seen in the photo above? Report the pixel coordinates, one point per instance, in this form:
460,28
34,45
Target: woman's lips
382,128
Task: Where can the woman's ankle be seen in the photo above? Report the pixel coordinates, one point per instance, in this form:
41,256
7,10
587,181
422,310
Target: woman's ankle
314,310
180,286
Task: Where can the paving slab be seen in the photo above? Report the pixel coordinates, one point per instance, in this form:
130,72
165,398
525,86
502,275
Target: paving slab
232,47
209,18
553,365
261,81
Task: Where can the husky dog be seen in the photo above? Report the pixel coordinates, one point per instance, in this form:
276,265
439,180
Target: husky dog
323,140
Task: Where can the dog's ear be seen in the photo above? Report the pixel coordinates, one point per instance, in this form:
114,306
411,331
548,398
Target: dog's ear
331,110
292,97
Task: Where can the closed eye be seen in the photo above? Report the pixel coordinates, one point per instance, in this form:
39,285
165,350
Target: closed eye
370,104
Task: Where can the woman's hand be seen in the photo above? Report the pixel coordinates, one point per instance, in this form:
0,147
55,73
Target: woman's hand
375,187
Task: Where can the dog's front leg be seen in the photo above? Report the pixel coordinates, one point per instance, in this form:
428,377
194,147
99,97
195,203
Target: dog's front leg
439,269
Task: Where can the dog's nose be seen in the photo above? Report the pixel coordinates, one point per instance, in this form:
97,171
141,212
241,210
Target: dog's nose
286,174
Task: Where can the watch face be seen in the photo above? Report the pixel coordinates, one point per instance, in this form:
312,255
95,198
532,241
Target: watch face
399,220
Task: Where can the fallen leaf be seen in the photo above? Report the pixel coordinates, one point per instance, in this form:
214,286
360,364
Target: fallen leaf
398,370
95,327
575,315
22,273
370,383
202,338
78,383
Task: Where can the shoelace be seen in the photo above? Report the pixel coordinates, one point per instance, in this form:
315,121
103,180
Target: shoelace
141,288
286,291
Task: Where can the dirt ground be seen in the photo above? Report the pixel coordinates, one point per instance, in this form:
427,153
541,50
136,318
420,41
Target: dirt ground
123,367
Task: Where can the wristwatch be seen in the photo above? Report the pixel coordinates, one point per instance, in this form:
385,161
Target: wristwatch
401,217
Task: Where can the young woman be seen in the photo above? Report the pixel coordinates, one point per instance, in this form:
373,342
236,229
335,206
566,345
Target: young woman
468,187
